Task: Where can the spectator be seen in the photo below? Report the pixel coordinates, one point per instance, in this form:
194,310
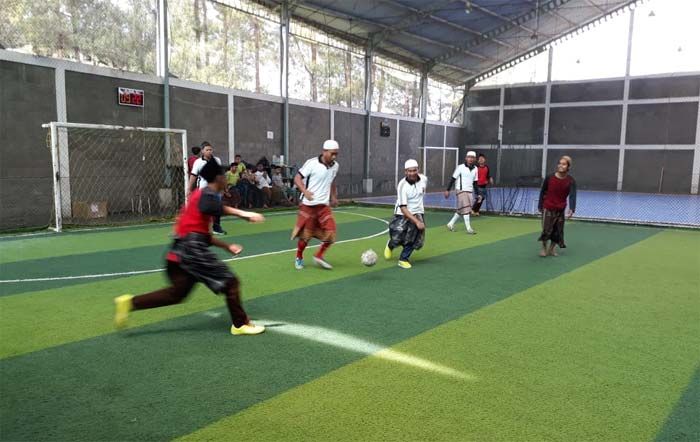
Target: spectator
281,192
249,191
190,161
263,183
197,181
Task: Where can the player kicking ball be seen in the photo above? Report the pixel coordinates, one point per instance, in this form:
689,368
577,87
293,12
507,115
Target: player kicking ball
407,229
316,182
190,261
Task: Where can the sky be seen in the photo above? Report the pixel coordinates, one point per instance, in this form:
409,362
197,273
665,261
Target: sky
665,39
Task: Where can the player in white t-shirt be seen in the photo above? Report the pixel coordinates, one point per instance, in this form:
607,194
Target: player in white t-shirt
464,179
198,182
407,229
316,182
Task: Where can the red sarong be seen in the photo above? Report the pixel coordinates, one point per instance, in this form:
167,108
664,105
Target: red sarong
315,222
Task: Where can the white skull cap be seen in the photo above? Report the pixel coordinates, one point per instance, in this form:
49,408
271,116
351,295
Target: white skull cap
330,145
410,164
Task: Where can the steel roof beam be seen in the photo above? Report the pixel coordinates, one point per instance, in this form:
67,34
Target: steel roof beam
447,22
549,5
378,39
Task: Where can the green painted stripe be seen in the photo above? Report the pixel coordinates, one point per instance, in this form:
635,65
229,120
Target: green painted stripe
109,387
72,243
150,257
24,327
598,354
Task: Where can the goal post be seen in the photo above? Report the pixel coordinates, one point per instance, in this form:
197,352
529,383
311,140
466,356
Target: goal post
107,174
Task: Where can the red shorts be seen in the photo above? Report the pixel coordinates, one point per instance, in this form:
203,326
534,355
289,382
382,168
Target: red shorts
315,222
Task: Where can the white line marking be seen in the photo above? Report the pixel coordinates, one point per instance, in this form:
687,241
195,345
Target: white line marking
95,229
348,342
238,258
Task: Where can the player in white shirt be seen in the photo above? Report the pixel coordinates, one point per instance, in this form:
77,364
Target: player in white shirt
316,182
407,229
196,180
464,179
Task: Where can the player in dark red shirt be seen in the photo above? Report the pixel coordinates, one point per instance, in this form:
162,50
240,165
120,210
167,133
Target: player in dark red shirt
189,260
555,190
484,179
190,161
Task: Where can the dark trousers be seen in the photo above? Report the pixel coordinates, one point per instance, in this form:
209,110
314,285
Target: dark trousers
182,284
243,192
480,192
406,252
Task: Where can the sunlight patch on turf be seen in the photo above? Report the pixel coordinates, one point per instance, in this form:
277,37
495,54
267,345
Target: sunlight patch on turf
345,341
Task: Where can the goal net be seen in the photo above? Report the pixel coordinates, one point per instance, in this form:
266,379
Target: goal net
115,174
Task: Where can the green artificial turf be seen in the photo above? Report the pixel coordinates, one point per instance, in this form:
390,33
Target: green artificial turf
174,377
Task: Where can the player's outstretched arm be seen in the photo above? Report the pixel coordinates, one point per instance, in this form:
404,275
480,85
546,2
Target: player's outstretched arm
234,249
253,217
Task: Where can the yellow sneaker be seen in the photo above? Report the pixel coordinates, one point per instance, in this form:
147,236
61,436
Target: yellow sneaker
405,264
122,308
247,329
387,252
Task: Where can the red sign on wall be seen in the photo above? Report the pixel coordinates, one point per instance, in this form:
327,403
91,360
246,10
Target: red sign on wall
130,97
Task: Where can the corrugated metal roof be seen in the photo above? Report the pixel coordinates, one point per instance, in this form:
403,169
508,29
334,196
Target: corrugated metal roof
456,41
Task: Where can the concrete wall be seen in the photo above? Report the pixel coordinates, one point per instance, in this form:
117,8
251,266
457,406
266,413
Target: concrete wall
205,117
520,167
409,141
252,120
523,126
667,123
309,127
593,91
594,132
93,99
350,134
585,125
482,127
382,156
657,171
27,100
594,169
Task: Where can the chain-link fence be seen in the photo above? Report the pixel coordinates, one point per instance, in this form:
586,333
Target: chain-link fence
108,175
620,207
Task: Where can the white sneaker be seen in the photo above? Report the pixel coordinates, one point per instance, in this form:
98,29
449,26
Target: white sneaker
451,227
298,263
471,231
322,263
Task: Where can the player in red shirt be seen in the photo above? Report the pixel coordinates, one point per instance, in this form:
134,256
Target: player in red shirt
190,261
484,179
555,189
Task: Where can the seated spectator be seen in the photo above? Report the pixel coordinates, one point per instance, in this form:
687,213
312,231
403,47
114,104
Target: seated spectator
263,183
282,193
247,183
231,195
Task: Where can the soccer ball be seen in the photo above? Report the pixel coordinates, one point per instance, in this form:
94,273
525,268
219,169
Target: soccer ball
369,258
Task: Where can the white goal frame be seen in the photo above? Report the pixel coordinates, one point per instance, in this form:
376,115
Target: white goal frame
444,149
60,163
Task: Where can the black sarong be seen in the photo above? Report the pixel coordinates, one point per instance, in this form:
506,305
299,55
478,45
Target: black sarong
403,232
193,255
553,227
